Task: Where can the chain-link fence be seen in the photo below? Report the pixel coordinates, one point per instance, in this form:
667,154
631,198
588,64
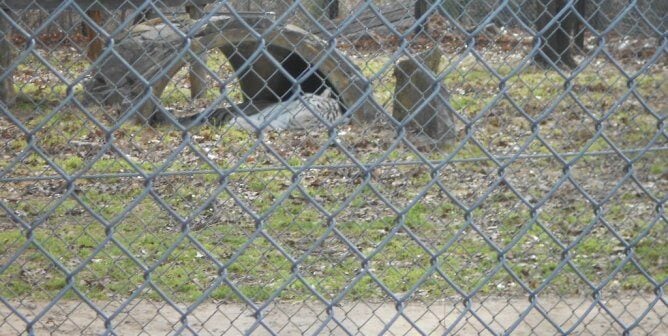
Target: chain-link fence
333,167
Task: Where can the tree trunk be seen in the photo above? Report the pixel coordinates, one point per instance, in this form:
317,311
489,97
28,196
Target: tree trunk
7,93
322,8
556,42
419,11
197,72
332,9
419,99
142,16
420,8
578,26
94,42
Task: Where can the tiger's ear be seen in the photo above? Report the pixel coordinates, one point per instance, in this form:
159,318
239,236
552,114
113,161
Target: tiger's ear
327,93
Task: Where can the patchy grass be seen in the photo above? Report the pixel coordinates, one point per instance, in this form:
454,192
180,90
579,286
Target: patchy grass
229,215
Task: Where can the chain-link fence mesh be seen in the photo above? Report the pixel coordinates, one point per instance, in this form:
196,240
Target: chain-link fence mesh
333,167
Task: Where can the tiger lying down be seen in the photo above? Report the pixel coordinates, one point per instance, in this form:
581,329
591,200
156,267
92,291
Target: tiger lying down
308,111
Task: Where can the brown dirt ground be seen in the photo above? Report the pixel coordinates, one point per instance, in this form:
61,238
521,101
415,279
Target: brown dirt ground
358,318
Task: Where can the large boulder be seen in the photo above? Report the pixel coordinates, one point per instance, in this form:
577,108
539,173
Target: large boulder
147,57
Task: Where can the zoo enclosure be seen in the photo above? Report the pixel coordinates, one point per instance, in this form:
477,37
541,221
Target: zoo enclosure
542,211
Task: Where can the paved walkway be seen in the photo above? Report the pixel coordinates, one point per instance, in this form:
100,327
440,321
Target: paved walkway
357,318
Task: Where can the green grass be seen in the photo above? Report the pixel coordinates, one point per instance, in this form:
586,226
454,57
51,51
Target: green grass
239,234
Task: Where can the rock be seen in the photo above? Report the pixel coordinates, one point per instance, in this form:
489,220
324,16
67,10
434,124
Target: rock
152,49
420,99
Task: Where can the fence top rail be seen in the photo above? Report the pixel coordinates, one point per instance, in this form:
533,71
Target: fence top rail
95,4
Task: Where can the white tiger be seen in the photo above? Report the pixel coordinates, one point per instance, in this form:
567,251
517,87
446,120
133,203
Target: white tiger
299,113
